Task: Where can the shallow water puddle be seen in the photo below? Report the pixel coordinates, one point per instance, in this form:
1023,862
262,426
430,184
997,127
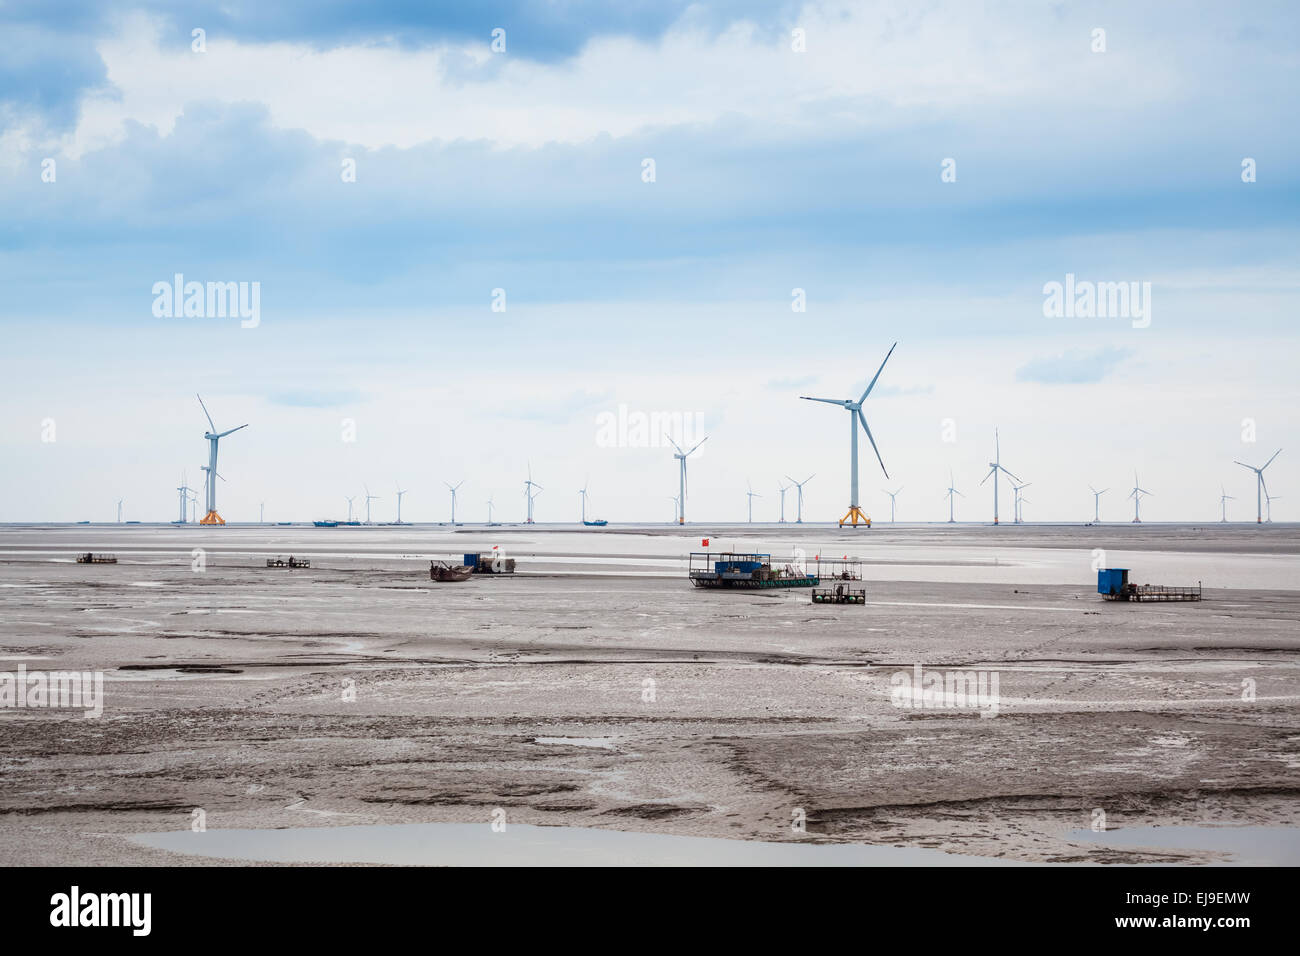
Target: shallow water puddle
1264,846
476,844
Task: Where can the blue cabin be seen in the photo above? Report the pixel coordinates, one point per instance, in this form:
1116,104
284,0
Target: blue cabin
1112,581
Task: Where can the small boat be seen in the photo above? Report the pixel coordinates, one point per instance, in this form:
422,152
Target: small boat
598,523
326,524
442,571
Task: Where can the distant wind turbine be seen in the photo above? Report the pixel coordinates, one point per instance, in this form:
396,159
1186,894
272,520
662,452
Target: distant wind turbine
893,495
996,471
783,489
184,494
529,485
214,438
350,500
1018,489
952,491
854,514
1224,498
1268,507
453,488
1096,503
400,491
1136,494
799,497
119,510
1261,489
681,457
752,495
369,498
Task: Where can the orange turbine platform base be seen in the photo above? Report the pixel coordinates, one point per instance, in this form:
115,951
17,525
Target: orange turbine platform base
854,517
212,518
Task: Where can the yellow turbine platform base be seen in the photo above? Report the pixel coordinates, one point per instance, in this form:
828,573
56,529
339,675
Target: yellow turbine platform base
854,516
212,518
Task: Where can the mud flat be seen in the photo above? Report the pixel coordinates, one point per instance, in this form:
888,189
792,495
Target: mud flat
596,690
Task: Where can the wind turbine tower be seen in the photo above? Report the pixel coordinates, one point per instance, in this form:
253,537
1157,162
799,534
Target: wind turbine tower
799,497
119,510
350,500
996,471
783,489
1096,503
1136,494
214,437
369,498
1018,489
184,495
1261,489
681,457
854,514
583,492
752,495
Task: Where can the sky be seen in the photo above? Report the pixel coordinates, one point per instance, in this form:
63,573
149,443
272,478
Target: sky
478,231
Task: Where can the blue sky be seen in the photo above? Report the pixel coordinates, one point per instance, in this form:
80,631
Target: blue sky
522,170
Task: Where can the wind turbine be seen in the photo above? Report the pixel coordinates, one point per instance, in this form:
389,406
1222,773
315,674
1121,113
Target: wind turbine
1224,498
995,466
400,491
783,489
119,510
1015,510
453,499
892,496
184,495
1268,506
529,485
583,492
951,491
369,498
1096,503
1136,494
213,437
194,500
261,512
855,514
674,499
350,500
752,495
799,497
1261,489
1022,500
681,456
489,504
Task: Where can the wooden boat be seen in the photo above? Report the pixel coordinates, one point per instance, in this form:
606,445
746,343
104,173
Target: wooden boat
442,571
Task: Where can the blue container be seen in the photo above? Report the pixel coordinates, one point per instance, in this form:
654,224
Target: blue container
1111,580
471,560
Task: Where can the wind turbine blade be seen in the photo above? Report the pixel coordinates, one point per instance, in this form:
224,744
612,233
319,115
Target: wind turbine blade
1009,473
989,475
863,419
673,443
828,401
232,431
205,411
698,444
958,493
873,381
1270,461
1244,465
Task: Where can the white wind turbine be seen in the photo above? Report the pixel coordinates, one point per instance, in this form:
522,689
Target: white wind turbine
1018,489
1096,503
490,506
529,485
119,510
369,498
1261,489
681,457
996,471
1224,498
752,495
582,492
892,496
854,514
1268,506
952,491
184,494
400,491
214,438
1136,494
783,489
799,496
453,488
350,500
676,505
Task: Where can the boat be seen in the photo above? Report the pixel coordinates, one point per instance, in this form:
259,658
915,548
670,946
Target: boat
326,524
442,571
597,523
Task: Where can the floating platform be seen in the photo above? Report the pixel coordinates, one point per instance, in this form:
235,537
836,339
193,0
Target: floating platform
89,558
1113,585
290,562
840,594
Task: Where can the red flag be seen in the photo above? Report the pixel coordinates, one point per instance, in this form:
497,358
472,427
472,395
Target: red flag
704,542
